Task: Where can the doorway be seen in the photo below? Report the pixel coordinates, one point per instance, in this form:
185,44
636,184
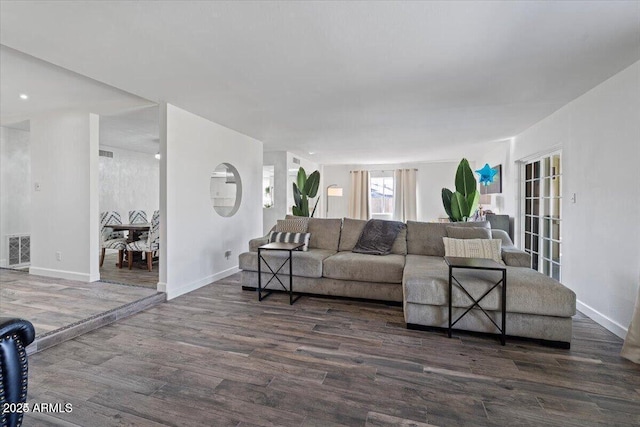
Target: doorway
542,213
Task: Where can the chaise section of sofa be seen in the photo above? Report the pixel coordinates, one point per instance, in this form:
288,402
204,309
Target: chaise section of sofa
537,306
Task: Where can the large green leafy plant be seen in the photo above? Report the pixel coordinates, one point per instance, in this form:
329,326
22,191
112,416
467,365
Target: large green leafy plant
305,188
463,203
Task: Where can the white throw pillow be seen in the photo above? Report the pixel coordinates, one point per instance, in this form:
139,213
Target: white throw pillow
473,248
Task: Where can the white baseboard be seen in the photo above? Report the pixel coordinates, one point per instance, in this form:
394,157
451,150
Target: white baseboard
162,287
183,289
3,263
61,274
601,319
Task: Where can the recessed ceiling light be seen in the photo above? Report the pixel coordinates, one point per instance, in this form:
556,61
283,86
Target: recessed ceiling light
312,152
157,156
24,96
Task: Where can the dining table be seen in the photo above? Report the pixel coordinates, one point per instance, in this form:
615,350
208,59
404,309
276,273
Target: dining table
134,229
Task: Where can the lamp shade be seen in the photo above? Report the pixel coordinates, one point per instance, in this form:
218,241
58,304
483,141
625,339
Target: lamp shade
485,199
334,191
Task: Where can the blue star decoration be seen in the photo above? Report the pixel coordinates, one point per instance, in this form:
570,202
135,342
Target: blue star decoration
486,174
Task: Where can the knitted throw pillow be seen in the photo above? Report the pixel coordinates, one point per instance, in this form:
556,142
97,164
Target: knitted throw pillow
473,248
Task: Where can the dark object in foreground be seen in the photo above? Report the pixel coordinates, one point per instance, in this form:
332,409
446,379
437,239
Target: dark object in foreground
15,336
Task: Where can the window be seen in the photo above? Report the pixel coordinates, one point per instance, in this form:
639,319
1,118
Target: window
381,193
542,213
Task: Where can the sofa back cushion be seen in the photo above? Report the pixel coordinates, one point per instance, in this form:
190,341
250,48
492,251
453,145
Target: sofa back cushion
325,233
352,228
292,225
425,238
468,232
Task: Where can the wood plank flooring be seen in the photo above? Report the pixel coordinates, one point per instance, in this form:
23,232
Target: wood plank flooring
51,304
110,273
218,357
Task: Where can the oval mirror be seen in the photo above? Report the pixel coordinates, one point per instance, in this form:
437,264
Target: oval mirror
226,189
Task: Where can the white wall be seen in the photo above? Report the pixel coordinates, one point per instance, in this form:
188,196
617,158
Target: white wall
64,211
15,185
599,134
129,181
431,177
194,237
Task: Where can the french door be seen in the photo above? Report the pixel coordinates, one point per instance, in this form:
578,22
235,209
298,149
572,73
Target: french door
542,213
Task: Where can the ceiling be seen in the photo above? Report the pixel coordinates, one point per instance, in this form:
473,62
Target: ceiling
351,82
126,121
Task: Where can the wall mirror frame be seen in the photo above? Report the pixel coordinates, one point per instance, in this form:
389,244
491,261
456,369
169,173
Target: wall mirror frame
225,187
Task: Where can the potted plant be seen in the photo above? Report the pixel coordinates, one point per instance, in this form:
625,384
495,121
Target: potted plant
463,203
305,188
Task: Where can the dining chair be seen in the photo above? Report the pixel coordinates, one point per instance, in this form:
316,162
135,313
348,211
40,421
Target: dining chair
110,239
138,217
148,246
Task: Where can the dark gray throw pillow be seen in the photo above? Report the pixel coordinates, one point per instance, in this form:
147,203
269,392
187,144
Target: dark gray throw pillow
377,237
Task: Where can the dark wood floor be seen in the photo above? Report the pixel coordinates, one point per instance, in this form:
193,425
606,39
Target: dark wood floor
139,275
218,357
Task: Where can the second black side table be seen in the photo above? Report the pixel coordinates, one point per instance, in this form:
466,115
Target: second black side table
478,264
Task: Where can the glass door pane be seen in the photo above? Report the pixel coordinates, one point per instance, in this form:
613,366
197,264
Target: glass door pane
542,206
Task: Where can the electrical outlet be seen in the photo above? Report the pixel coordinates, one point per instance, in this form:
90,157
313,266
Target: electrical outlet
59,256
36,186
574,198
227,254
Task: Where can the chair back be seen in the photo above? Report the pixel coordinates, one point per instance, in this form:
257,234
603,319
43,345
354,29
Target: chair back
137,217
15,336
154,234
107,218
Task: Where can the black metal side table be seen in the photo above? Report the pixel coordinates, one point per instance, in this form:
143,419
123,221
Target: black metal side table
478,264
277,246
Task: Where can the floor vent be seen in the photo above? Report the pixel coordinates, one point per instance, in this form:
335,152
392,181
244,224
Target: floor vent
104,153
19,249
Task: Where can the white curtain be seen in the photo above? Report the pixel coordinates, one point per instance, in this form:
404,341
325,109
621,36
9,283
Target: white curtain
404,193
631,347
359,206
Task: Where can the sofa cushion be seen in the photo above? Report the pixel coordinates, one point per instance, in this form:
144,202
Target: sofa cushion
364,268
473,248
325,233
510,254
425,238
294,225
352,228
305,264
426,281
468,232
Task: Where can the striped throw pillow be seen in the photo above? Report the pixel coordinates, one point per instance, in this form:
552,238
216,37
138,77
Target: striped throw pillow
284,237
473,248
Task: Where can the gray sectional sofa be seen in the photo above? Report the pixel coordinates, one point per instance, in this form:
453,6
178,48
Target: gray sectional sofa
416,276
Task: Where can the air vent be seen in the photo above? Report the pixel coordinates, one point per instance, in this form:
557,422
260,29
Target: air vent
104,153
296,160
19,249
